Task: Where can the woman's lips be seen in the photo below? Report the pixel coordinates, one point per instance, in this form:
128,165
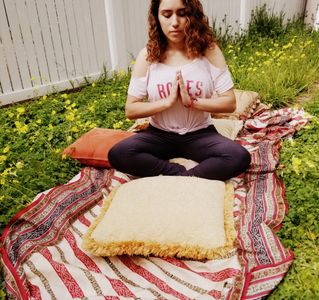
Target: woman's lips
175,32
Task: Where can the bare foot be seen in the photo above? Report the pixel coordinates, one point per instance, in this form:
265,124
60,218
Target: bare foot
187,163
190,164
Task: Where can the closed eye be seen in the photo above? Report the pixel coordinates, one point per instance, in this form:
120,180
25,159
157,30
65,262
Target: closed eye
168,13
181,12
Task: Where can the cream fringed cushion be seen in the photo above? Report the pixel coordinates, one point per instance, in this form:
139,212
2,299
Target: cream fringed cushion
186,217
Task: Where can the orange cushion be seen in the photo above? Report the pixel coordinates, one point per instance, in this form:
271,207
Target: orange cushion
92,148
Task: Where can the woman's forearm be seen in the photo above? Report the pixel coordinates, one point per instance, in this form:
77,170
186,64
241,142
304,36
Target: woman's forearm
223,103
138,109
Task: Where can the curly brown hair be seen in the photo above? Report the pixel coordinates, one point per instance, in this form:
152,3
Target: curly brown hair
199,35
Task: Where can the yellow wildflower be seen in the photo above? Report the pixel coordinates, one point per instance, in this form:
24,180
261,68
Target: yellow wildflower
117,125
93,84
44,97
292,142
6,149
21,127
114,94
310,164
70,116
65,96
21,110
74,129
19,165
296,163
289,45
3,158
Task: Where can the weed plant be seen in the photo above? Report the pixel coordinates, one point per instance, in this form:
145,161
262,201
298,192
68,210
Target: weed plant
279,60
279,63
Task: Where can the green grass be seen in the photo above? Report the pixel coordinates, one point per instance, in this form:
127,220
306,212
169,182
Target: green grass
33,134
279,65
300,173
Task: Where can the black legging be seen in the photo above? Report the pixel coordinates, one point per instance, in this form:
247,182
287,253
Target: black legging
147,153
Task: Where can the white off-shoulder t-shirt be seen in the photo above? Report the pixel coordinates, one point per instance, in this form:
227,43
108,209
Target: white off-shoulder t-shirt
201,79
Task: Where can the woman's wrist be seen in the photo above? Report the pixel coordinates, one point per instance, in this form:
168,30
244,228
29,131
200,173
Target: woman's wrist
191,103
167,103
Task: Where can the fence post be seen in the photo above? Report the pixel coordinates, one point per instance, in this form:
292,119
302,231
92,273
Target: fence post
316,23
116,34
312,14
243,16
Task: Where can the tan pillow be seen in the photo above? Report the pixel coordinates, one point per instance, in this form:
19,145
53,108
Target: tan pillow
226,127
187,217
246,104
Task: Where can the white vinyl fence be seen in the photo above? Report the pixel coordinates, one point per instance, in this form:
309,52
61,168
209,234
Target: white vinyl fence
54,45
49,45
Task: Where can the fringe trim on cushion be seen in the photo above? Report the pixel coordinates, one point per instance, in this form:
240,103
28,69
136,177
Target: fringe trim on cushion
147,248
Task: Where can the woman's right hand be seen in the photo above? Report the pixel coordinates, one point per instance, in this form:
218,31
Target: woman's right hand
174,93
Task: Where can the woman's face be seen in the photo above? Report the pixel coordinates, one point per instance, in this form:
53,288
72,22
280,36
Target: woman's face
172,18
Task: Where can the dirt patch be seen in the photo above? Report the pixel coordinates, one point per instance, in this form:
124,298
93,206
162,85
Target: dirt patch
309,95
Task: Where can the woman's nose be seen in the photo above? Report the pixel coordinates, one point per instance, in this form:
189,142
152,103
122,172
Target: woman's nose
175,21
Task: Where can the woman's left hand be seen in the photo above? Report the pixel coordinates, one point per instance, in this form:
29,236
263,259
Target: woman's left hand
186,98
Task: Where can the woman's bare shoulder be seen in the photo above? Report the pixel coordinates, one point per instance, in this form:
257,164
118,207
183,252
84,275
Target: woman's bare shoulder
141,64
216,57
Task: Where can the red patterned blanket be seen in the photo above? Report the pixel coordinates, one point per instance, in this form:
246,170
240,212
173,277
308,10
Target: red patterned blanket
42,258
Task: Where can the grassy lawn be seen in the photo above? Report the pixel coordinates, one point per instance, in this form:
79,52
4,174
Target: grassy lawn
280,63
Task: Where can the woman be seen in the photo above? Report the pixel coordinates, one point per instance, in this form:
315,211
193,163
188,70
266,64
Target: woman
178,80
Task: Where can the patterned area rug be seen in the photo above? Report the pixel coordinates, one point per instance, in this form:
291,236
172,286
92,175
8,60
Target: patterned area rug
42,258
